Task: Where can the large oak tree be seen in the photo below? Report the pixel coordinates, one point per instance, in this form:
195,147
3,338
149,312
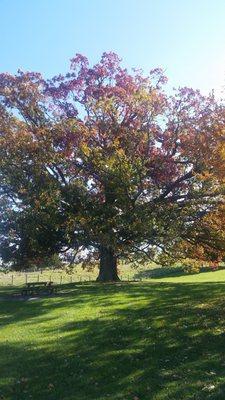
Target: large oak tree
102,160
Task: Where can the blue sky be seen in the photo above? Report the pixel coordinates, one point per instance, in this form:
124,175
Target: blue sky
184,37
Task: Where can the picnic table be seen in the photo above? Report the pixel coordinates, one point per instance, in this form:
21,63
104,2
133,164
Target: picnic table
32,288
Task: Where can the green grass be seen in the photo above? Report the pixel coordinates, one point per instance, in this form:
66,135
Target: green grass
216,276
158,340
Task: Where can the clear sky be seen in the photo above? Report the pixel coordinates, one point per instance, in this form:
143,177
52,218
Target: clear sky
185,37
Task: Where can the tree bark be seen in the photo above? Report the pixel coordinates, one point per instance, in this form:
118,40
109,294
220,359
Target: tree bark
108,265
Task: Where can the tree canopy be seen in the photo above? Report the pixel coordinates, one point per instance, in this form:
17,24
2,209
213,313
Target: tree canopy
104,163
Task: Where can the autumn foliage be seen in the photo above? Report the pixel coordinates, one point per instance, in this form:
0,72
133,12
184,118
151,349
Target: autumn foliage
102,163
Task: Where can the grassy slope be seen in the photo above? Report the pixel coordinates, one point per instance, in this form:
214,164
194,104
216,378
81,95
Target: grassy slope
216,276
156,340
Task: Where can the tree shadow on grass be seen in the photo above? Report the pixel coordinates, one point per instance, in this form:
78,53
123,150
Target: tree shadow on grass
153,341
160,272
168,272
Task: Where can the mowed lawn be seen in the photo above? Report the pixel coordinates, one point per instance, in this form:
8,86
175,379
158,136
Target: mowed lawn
130,341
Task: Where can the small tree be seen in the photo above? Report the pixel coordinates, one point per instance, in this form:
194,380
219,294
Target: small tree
103,161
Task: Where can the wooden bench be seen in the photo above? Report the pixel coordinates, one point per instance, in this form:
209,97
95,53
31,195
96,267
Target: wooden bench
32,288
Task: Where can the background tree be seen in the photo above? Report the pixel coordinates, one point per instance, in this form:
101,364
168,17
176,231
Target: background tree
103,162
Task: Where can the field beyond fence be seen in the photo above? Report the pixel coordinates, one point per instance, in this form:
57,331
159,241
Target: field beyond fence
59,276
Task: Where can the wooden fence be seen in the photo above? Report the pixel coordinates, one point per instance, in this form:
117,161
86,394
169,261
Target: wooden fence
23,278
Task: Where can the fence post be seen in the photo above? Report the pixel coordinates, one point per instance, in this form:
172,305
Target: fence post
38,278
26,278
71,279
12,280
60,279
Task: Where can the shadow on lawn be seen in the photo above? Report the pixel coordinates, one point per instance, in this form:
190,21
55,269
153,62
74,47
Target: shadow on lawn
167,272
159,272
149,341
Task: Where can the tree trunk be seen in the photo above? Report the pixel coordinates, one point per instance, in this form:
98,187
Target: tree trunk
108,265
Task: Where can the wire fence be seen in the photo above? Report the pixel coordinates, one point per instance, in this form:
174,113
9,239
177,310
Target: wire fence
24,278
